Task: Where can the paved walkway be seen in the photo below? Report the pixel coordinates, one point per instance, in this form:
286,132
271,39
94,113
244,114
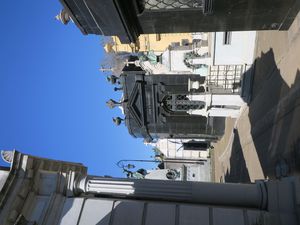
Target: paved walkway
265,141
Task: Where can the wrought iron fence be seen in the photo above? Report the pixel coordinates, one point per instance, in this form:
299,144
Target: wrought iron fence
227,77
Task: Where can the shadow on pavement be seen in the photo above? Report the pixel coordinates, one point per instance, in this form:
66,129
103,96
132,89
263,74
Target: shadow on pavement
275,119
238,169
274,116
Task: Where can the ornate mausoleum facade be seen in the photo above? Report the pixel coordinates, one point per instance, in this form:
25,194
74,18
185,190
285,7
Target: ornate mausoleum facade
162,106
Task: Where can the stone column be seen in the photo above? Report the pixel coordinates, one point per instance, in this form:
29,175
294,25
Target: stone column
234,195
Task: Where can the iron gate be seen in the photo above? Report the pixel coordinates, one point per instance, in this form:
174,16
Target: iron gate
205,5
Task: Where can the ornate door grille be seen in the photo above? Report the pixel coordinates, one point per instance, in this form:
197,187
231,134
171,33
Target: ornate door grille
173,4
227,77
181,103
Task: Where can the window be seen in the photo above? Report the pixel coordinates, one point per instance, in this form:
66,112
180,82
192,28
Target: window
185,42
175,44
172,174
227,38
196,145
158,37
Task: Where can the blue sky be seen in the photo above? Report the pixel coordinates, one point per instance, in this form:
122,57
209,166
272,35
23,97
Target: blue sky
52,96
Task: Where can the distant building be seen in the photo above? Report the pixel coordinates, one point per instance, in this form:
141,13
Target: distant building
233,48
157,43
184,149
205,53
189,158
192,171
183,170
36,191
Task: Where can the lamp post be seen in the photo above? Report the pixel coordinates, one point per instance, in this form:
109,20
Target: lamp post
164,160
117,120
131,166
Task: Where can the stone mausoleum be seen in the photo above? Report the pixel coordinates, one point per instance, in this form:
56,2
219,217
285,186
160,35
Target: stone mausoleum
129,19
161,106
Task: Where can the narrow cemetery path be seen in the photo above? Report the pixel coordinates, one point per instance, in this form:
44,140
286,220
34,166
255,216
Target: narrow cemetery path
265,141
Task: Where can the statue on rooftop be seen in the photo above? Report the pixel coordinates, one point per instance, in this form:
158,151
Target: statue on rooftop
117,120
63,17
112,103
113,79
118,89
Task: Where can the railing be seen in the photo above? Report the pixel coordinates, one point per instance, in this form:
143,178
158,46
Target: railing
226,77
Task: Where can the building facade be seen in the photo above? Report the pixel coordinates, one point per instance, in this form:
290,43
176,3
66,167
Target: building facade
185,149
160,106
128,20
38,191
157,43
182,170
188,158
225,60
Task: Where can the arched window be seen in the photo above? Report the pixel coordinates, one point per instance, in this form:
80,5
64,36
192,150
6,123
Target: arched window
172,174
181,103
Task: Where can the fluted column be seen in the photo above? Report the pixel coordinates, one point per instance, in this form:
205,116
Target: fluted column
237,195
